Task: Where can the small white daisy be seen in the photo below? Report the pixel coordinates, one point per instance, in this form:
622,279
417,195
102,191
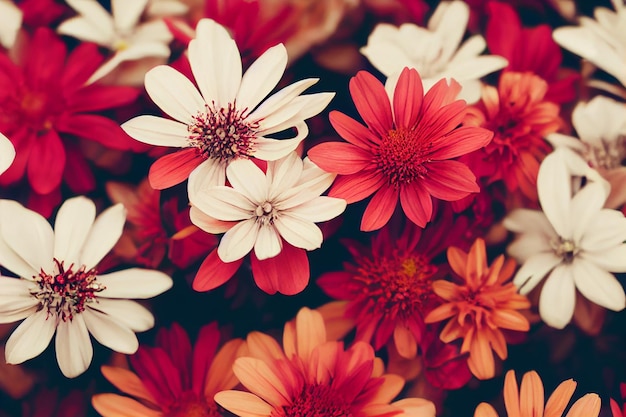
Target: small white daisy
261,208
574,243
60,289
229,118
434,51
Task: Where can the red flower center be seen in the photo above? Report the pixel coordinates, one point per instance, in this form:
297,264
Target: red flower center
401,156
66,291
191,405
395,286
29,109
316,401
222,134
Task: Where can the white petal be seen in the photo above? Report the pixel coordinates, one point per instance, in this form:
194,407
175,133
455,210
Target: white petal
597,285
11,24
282,98
605,230
534,270
129,313
104,234
586,205
208,174
471,48
313,182
73,347
558,297
320,209
248,179
153,31
207,223
475,68
299,232
157,131
8,257
238,241
528,244
215,63
471,91
110,333
299,109
28,234
267,149
126,13
71,227
225,203
30,338
555,193
449,21
16,302
94,24
134,283
134,52
268,243
262,76
283,174
612,260
7,153
174,93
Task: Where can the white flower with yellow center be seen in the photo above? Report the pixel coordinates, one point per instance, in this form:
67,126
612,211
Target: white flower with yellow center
574,243
60,290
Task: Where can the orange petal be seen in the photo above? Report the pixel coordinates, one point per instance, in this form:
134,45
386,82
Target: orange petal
587,406
261,380
511,395
457,260
405,341
264,347
531,395
390,388
128,382
113,405
480,360
476,262
446,289
243,404
310,332
441,313
559,398
416,407
337,324
510,319
485,410
221,375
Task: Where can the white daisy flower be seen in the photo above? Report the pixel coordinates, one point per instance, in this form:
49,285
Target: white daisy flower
228,119
10,23
434,51
60,289
261,208
601,41
7,153
574,243
120,32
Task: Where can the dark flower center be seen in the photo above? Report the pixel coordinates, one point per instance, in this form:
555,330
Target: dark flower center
402,156
316,401
189,404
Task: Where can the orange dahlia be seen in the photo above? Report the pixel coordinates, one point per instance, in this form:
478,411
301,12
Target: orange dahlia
310,376
528,402
479,307
172,379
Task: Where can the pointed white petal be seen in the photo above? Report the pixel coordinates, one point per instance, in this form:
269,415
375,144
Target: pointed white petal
612,260
104,234
268,243
534,270
11,24
248,179
605,230
157,131
7,153
210,173
134,52
94,23
71,227
282,98
471,91
283,174
174,93
555,193
110,333
475,68
267,149
586,205
29,235
558,297
30,338
262,76
225,203
16,302
8,257
73,347
449,21
597,285
471,48
129,313
530,221
153,31
126,13
208,223
320,209
299,232
299,109
134,283
238,241
528,244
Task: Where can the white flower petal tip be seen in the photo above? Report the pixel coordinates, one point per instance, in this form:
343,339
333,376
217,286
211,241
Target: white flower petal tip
135,283
7,153
10,23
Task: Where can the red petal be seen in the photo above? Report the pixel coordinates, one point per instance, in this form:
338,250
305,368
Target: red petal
357,186
372,102
214,272
287,273
173,168
78,175
353,131
450,180
339,157
81,64
380,208
407,98
45,60
441,94
438,122
44,204
416,203
461,141
22,140
336,285
203,355
97,97
46,163
96,128
503,32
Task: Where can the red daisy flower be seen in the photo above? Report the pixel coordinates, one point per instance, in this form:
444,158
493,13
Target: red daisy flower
45,107
528,49
520,117
172,379
404,152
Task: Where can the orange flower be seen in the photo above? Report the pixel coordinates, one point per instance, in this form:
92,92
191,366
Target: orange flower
480,307
310,376
529,401
172,379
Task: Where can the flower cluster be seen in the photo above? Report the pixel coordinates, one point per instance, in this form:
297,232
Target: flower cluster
353,207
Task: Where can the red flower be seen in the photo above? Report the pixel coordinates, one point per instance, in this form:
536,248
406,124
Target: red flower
520,117
528,49
616,410
404,152
45,107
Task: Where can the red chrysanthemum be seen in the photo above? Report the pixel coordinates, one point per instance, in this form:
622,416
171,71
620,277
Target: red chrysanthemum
528,49
520,117
45,108
172,379
388,287
404,152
